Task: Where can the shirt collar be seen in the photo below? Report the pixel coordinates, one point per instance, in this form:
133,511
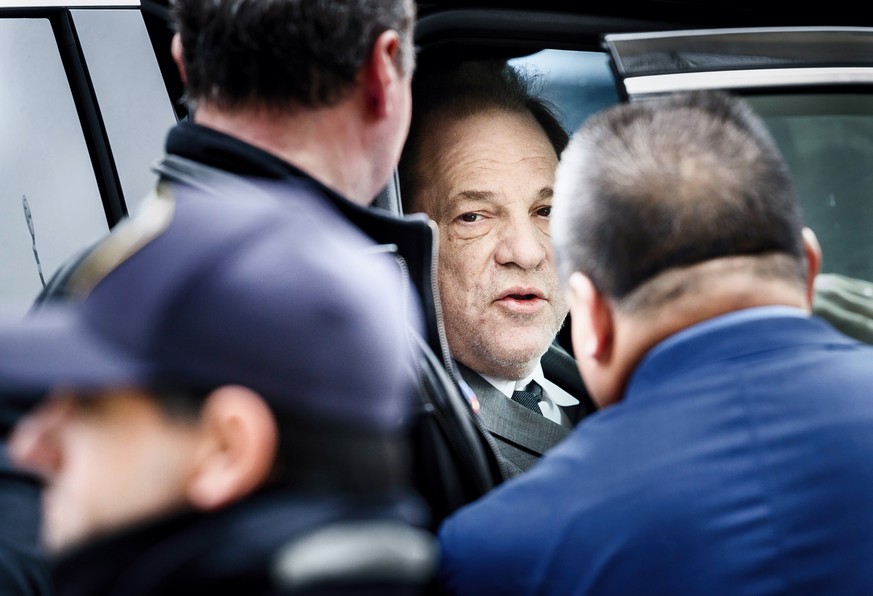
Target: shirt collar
554,393
508,386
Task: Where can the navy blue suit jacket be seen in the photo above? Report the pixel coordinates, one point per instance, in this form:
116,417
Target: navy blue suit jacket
739,462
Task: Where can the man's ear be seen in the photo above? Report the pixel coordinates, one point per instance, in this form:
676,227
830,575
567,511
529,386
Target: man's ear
240,438
176,51
591,318
382,75
812,251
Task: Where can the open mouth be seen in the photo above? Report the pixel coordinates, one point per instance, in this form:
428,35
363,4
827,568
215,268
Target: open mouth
522,296
522,301
522,293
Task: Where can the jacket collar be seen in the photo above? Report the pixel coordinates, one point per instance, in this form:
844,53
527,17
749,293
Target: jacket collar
727,337
231,551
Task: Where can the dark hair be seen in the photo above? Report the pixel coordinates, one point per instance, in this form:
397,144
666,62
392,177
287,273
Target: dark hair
461,89
315,454
182,405
322,455
669,182
283,53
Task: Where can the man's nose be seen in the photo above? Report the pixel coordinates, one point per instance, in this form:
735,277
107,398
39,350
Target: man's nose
34,443
522,243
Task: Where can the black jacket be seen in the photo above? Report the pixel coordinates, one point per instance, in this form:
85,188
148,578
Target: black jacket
23,569
248,549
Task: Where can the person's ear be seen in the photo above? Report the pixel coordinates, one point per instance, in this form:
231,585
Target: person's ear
382,77
812,251
592,331
177,53
236,456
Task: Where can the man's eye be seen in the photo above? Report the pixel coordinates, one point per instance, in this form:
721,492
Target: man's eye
470,217
544,211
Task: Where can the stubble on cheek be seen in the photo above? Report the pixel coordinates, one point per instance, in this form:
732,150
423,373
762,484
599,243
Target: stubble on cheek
481,334
486,337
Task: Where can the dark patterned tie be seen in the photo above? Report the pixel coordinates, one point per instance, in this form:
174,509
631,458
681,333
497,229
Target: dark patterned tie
529,397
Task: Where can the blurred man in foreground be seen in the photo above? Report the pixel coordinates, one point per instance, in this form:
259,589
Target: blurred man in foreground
732,452
195,431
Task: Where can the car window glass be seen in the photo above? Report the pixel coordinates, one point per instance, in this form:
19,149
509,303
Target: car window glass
131,93
577,83
50,204
828,142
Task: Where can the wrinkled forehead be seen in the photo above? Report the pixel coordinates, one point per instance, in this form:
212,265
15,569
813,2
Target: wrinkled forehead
498,152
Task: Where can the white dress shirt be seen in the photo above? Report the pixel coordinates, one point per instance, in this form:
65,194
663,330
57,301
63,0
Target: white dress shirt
553,396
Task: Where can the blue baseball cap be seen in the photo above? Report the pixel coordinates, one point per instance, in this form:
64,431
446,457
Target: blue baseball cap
279,294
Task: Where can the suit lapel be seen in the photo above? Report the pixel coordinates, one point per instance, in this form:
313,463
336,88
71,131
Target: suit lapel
510,421
559,367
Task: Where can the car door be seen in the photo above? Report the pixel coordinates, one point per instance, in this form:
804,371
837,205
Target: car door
814,88
84,106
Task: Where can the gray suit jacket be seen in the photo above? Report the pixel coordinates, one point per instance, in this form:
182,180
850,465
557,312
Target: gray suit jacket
522,436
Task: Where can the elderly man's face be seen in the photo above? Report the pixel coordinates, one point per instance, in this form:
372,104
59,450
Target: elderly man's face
108,461
490,192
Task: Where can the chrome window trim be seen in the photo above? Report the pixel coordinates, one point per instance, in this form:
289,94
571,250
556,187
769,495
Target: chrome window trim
738,79
718,32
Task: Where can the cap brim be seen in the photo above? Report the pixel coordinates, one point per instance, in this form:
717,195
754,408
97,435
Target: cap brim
54,348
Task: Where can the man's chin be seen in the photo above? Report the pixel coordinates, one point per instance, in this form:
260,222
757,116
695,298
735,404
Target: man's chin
526,342
515,362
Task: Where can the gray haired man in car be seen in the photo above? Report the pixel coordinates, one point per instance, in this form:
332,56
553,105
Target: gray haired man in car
480,161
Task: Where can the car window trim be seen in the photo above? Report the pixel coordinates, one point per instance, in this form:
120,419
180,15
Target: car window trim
90,118
744,79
